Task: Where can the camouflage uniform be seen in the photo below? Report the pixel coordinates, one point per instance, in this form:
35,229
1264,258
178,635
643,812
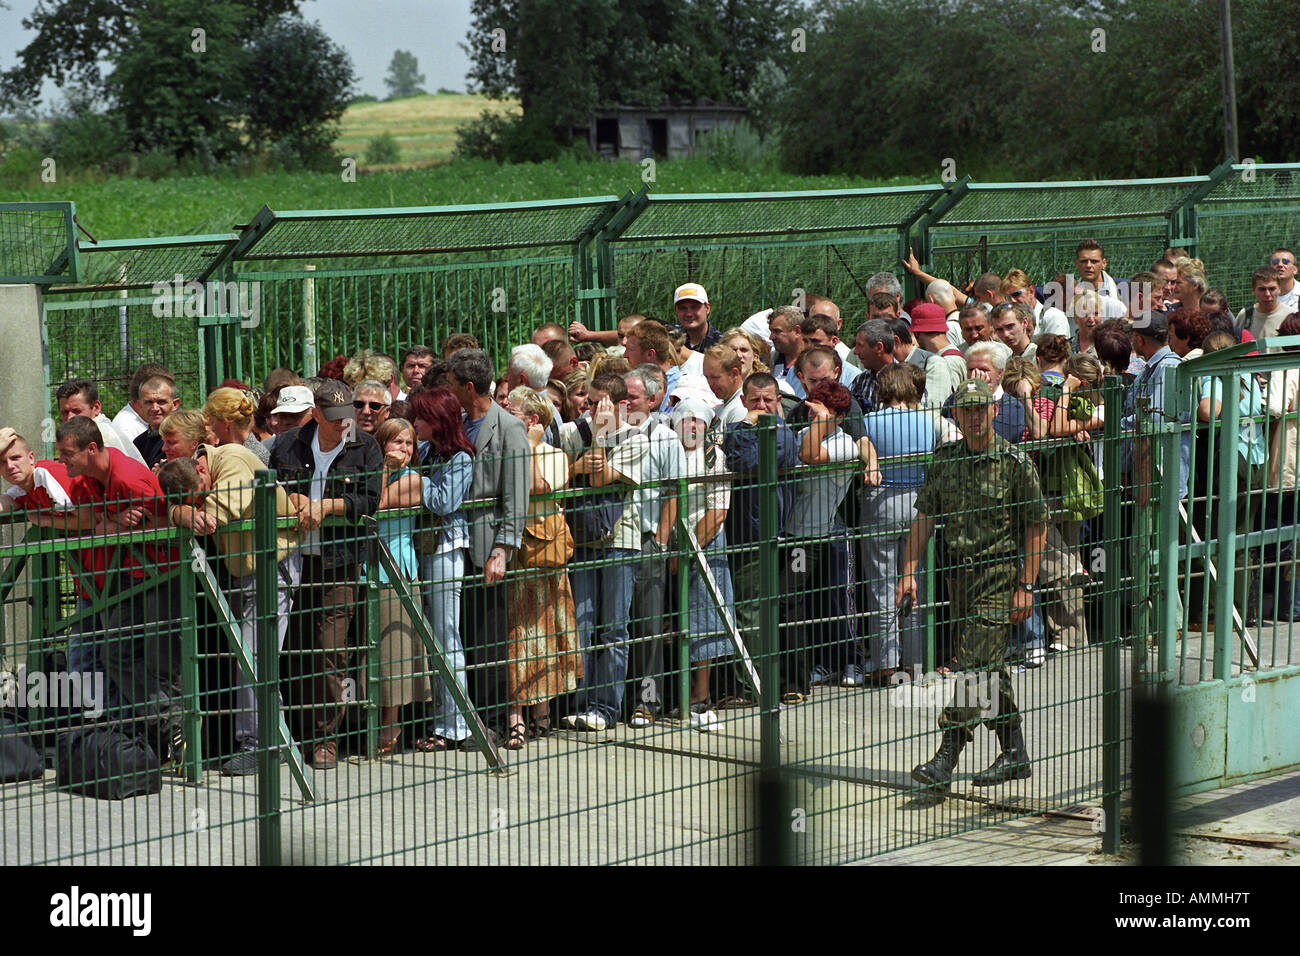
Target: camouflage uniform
986,499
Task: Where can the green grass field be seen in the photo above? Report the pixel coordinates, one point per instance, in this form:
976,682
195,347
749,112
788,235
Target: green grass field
138,208
424,126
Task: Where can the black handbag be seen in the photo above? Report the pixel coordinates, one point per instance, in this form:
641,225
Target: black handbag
20,759
106,763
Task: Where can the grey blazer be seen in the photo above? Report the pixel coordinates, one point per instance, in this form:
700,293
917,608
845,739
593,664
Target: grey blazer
502,470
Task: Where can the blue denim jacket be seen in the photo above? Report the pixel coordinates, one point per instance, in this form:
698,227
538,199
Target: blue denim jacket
446,482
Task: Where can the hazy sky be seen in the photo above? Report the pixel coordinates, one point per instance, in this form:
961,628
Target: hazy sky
370,30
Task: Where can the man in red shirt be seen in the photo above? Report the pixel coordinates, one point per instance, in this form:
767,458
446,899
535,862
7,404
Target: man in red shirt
43,491
141,653
39,486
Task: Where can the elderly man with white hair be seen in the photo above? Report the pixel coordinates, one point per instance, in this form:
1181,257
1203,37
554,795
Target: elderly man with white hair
986,361
531,366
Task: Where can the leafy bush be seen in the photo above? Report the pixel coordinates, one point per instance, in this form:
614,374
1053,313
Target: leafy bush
733,147
155,164
79,135
513,139
21,166
383,149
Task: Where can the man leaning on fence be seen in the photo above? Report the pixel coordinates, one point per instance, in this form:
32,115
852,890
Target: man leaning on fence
141,654
331,470
987,491
214,490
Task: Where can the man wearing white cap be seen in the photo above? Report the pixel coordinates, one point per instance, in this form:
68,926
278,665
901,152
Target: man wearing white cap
293,409
329,468
691,303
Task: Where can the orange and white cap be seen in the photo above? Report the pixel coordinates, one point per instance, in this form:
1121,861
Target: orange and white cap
690,291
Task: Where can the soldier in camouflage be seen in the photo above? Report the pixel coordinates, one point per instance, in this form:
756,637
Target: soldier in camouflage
987,493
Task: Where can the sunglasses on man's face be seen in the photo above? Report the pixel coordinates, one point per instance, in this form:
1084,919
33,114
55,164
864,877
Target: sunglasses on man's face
1281,261
373,406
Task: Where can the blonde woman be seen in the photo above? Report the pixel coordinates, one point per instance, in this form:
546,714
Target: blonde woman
182,433
752,350
575,383
1088,310
543,659
229,415
370,366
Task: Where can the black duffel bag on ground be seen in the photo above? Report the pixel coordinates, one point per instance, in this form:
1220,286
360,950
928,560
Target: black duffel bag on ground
19,757
106,763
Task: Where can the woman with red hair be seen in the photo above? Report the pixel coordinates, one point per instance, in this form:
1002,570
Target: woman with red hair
446,467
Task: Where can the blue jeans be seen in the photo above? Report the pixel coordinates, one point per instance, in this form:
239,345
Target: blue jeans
243,601
444,573
602,595
85,656
1031,634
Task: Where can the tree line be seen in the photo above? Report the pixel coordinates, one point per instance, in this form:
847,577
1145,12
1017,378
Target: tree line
1023,89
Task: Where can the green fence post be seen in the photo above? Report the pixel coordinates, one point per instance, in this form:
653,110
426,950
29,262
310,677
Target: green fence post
1140,544
684,606
774,832
267,688
373,638
931,571
769,581
1225,554
1110,678
191,723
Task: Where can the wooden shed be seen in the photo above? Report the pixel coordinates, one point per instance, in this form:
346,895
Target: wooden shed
641,132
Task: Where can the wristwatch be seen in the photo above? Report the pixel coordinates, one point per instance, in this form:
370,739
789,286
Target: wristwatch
1025,586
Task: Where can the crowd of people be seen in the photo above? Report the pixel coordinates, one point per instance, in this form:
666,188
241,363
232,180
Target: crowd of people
978,411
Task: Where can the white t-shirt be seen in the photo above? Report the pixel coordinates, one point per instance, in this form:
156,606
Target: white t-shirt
1050,321
1263,325
323,460
630,459
730,412
129,424
1290,300
113,439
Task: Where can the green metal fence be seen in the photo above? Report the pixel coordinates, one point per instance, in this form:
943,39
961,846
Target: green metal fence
834,771
1227,550
836,756
327,282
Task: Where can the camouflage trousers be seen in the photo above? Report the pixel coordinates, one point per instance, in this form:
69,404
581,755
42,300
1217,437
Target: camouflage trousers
980,596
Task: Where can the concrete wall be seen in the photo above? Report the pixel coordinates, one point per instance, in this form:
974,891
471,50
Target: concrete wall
26,408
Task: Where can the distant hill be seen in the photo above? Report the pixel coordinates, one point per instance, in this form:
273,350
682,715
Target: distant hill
425,126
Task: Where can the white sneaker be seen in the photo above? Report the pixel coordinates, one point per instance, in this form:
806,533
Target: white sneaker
820,675
590,721
853,677
570,721
641,719
1036,657
705,721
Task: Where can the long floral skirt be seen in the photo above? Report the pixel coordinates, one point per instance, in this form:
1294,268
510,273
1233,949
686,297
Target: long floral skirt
544,657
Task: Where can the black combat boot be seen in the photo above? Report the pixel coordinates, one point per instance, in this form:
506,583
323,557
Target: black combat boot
1012,762
938,772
